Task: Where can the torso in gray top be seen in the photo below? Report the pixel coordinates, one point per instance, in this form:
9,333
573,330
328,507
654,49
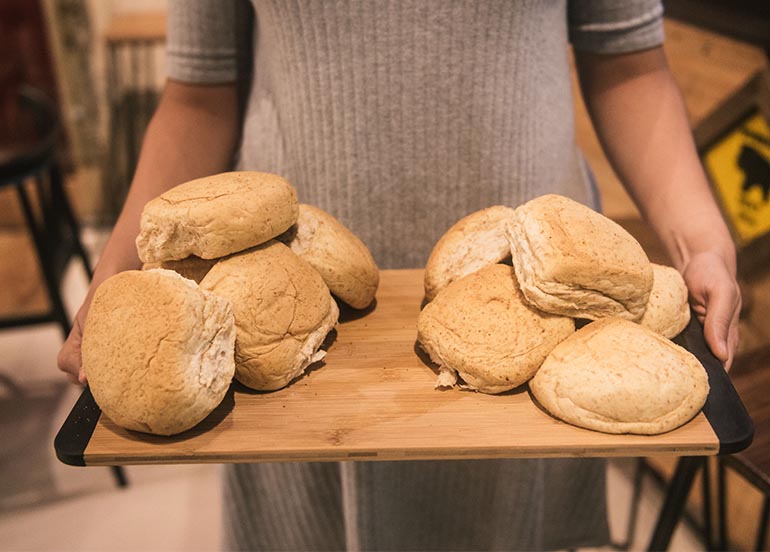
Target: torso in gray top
400,117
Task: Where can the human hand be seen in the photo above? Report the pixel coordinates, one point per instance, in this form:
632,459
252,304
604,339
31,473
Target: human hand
716,300
69,358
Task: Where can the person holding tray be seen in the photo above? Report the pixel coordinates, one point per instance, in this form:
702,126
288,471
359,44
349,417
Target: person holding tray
399,118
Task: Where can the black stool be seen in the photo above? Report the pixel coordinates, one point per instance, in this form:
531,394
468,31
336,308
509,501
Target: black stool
751,377
51,222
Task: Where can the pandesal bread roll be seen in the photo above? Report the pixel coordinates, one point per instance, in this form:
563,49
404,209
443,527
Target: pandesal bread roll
573,261
342,260
481,328
215,216
473,242
192,267
616,376
283,311
668,311
158,351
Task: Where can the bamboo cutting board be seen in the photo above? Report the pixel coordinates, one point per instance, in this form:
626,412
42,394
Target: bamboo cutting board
373,398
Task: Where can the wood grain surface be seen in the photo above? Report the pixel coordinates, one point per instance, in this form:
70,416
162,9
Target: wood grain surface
373,398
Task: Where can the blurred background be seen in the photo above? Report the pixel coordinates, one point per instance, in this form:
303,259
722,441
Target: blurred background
79,80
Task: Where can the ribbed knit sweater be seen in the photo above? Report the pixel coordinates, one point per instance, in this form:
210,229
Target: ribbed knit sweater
400,117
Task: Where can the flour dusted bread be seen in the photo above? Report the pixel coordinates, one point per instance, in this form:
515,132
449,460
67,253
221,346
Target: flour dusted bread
481,328
157,351
573,261
342,260
473,242
215,216
283,311
616,376
668,311
192,267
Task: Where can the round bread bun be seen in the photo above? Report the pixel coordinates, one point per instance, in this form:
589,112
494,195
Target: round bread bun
157,351
616,376
192,267
283,311
573,261
473,242
668,311
481,328
216,216
342,260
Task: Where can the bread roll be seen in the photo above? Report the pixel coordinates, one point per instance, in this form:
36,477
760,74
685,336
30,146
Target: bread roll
481,328
473,242
668,311
192,267
283,311
215,216
573,261
616,376
157,351
342,260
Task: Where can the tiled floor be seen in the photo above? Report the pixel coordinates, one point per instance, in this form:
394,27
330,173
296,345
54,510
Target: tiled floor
46,505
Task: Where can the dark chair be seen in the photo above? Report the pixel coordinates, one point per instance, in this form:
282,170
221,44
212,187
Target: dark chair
751,377
32,168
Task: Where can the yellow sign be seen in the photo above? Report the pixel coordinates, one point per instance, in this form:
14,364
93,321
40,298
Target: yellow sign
739,167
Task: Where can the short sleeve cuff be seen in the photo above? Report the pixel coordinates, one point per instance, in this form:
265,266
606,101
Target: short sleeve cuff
200,67
640,32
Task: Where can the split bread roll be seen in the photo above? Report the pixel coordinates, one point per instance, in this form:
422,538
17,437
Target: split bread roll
157,351
481,328
216,216
473,242
342,260
573,261
616,376
283,311
668,311
192,267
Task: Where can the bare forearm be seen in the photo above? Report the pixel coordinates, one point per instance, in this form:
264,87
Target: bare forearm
185,140
641,121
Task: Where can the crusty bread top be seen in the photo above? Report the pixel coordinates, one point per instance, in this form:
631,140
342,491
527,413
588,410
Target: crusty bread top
574,261
668,311
342,260
192,267
157,351
473,242
616,376
283,310
216,216
481,327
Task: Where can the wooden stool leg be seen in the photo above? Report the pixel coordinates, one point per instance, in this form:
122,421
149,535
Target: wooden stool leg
763,521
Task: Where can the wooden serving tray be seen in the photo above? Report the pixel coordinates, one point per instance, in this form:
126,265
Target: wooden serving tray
373,398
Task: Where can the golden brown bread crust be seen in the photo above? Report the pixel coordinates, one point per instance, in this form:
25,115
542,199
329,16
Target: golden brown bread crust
192,267
573,261
481,327
157,351
342,260
616,376
668,311
216,216
473,242
283,311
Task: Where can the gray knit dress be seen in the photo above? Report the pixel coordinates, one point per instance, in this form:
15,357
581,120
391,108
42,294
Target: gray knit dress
400,117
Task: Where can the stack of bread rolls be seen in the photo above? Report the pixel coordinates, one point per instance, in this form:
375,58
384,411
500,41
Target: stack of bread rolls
237,281
498,326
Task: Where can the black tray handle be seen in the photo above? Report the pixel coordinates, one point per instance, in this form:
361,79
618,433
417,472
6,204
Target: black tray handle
723,409
73,437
